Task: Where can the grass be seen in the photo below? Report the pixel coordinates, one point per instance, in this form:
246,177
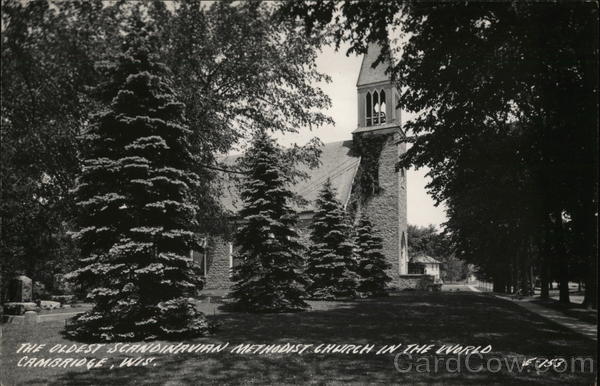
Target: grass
573,310
422,318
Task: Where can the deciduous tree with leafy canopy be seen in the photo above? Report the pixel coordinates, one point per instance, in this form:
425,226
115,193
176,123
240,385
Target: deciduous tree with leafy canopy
235,67
478,74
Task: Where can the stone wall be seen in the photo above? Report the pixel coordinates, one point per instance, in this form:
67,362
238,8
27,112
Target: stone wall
387,208
218,275
303,229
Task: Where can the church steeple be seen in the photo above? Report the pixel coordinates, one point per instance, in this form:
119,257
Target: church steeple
378,140
369,75
377,95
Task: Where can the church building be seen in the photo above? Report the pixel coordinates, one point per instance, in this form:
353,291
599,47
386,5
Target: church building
362,169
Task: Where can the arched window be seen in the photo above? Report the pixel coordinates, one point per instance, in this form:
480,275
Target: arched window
369,109
382,107
375,108
403,255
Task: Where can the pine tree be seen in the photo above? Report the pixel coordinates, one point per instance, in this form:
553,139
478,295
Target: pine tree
270,275
136,217
372,264
331,264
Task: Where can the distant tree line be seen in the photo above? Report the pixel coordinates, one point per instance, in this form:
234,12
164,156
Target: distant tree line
507,101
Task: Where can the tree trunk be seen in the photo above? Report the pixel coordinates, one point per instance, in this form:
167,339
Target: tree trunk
545,282
590,299
590,203
516,272
590,230
528,268
499,284
523,268
531,289
563,279
562,258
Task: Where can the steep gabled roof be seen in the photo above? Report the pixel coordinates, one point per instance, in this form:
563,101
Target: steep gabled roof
338,163
368,74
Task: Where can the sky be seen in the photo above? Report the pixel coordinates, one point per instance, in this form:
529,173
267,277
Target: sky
343,71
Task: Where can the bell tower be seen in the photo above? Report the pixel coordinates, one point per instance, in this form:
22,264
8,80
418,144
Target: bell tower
379,139
377,95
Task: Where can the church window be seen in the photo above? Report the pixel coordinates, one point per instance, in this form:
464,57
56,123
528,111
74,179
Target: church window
199,258
382,107
403,256
203,262
369,109
375,108
416,269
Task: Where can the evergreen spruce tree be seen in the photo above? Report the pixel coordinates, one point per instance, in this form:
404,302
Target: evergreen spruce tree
136,217
331,265
372,264
269,277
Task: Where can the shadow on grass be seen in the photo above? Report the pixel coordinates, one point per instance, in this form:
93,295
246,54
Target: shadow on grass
412,318
573,310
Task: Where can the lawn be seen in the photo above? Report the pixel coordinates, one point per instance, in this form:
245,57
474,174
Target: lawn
421,318
573,310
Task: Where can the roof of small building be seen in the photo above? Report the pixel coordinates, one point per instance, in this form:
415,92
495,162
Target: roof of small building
368,74
338,163
423,259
